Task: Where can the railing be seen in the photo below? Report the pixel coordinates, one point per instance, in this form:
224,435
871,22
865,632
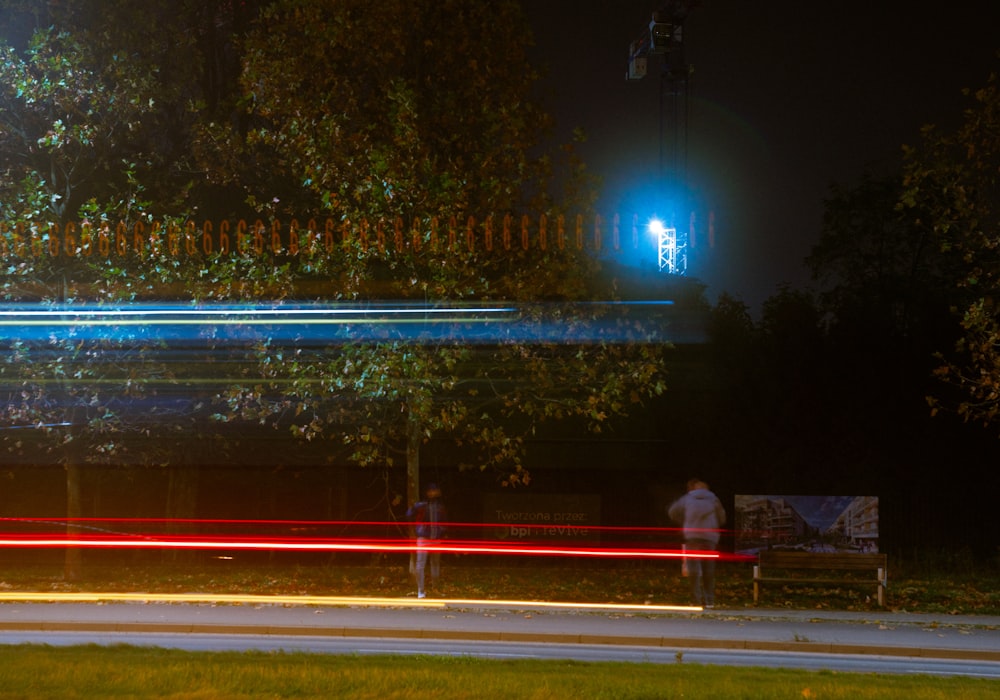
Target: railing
274,237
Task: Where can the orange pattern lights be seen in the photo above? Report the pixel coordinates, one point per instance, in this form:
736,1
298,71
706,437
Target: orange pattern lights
152,238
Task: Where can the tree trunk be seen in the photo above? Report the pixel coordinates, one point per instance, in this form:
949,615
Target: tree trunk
182,498
412,461
412,471
182,492
74,560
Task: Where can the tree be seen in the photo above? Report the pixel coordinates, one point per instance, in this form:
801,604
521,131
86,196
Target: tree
873,263
98,95
419,115
59,124
90,127
393,109
421,142
951,188
887,288
58,130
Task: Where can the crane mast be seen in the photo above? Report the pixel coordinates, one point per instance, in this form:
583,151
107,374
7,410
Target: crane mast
663,37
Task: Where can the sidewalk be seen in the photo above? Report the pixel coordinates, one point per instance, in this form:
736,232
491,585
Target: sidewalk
876,633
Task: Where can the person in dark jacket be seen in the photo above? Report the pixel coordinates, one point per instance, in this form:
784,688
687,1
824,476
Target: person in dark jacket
430,517
701,515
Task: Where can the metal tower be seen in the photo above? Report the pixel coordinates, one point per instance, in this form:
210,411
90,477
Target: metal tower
664,37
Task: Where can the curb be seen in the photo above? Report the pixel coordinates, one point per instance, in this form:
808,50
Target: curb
679,643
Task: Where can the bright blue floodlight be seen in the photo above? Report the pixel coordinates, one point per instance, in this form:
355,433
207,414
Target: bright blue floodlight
671,256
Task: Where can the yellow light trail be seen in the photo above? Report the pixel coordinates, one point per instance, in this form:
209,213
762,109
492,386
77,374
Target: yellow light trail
326,600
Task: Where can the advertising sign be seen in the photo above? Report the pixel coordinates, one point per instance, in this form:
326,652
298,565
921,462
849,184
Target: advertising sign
807,523
536,517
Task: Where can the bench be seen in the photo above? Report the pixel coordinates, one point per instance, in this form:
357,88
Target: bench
777,567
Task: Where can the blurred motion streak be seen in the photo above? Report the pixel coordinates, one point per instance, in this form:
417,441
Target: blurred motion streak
252,599
581,322
105,538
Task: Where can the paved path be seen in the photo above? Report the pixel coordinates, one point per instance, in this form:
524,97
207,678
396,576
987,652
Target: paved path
877,633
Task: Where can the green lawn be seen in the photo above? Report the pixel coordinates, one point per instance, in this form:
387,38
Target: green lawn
133,672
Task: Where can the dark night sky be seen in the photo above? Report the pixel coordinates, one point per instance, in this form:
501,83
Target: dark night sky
788,97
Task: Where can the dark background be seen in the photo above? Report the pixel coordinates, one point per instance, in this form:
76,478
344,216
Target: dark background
787,97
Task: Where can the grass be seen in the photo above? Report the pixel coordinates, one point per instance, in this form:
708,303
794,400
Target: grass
915,591
134,672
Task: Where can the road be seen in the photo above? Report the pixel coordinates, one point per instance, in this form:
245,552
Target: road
518,650
882,642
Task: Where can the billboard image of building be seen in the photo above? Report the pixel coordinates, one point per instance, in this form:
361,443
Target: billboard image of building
808,523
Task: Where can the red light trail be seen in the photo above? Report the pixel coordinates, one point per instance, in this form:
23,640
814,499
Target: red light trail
108,539
139,533
323,545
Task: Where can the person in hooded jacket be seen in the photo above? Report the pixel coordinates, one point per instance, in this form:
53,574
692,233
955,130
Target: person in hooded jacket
430,517
701,515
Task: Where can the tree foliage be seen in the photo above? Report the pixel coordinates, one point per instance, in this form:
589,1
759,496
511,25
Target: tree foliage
951,190
392,109
410,114
419,114
97,96
59,132
886,286
871,261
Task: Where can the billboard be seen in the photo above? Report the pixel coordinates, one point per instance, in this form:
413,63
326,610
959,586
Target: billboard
806,523
543,517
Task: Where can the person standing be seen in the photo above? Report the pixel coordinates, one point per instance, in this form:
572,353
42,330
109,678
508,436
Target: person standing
430,517
701,515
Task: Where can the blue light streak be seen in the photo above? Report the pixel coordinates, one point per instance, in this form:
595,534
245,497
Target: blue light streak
501,323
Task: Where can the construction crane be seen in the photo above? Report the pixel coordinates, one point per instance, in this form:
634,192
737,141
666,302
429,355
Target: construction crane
664,37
